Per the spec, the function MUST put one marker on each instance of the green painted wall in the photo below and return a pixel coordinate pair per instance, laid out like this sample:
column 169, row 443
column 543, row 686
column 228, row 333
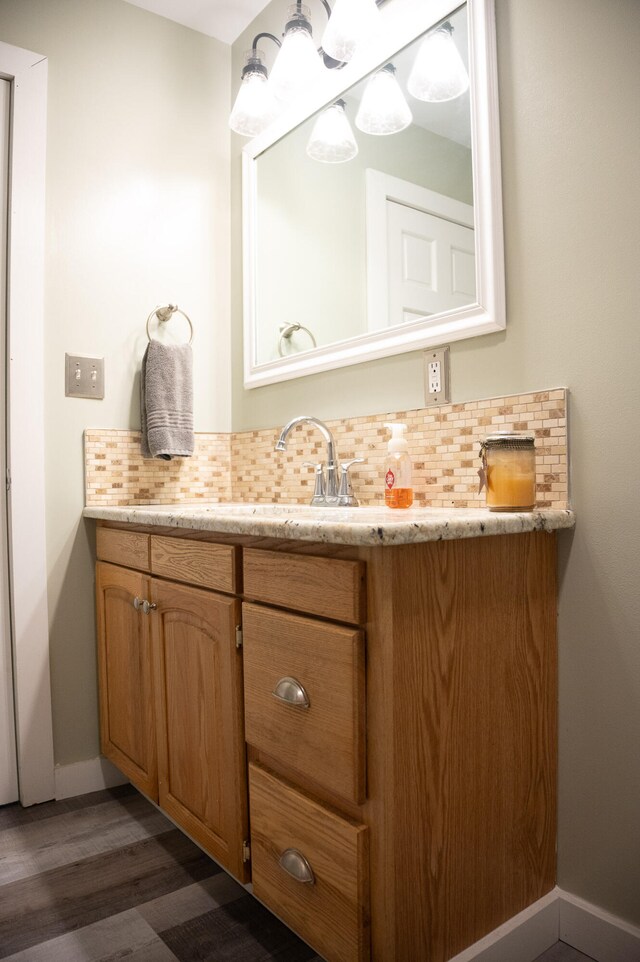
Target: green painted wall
column 569, row 77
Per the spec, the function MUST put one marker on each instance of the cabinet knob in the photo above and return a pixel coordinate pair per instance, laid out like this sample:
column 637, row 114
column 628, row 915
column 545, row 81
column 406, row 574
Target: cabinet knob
column 290, row 691
column 137, row 603
column 295, row 864
column 148, row 606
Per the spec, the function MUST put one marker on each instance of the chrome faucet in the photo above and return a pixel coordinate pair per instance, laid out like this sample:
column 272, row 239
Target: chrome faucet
column 329, row 490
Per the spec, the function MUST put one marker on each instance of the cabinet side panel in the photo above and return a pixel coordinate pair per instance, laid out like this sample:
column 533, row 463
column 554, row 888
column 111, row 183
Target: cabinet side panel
column 475, row 731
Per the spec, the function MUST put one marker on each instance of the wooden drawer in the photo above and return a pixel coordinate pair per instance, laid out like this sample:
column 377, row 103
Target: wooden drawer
column 328, row 587
column 332, row 912
column 195, row 562
column 128, row 548
column 326, row 740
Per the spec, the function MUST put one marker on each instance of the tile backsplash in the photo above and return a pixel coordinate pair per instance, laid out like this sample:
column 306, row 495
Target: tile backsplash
column 117, row 474
column 443, row 441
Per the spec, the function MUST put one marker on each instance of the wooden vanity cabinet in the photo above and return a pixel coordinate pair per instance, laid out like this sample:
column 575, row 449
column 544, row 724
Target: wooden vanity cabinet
column 170, row 684
column 418, row 787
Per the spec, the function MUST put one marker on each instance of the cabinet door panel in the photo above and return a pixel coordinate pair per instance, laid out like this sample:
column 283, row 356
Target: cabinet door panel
column 127, row 718
column 201, row 753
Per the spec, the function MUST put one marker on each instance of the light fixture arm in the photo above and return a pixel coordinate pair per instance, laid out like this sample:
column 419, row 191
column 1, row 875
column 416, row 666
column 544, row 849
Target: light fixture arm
column 258, row 36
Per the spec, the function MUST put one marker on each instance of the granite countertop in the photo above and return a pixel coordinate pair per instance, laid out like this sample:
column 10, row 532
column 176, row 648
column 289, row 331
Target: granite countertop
column 352, row 526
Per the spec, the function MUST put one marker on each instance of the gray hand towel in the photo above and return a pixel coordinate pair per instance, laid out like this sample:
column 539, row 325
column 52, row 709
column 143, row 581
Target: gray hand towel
column 166, row 403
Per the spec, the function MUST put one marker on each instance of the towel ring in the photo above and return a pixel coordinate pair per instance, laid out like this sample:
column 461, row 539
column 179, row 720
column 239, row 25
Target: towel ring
column 165, row 314
column 286, row 330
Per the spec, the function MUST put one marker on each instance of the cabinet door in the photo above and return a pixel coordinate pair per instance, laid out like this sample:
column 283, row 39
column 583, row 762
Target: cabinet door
column 201, row 751
column 127, row 717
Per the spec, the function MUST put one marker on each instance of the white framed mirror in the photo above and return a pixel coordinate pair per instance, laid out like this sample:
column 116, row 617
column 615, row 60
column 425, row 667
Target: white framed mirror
column 399, row 248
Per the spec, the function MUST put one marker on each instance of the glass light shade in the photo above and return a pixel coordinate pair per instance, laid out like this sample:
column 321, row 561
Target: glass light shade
column 297, row 65
column 351, row 23
column 332, row 140
column 383, row 108
column 255, row 105
column 438, row 73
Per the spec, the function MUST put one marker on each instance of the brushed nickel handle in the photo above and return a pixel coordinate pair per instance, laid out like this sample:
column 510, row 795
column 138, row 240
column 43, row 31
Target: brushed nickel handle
column 295, row 864
column 148, row 606
column 290, row 691
column 137, row 603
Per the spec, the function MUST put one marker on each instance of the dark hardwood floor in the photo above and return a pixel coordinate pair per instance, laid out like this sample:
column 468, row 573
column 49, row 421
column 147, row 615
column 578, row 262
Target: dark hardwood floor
column 104, row 877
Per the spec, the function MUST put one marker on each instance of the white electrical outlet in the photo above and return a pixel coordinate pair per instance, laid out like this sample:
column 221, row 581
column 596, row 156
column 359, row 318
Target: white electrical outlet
column 437, row 375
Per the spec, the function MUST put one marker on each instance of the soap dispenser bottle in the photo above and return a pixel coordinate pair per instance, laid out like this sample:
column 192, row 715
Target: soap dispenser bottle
column 398, row 490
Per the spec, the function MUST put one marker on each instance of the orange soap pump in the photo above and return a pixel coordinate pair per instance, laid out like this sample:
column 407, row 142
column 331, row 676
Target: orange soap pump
column 398, row 492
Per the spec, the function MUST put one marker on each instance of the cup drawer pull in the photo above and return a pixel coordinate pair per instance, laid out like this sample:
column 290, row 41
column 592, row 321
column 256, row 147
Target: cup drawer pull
column 296, row 865
column 291, row 691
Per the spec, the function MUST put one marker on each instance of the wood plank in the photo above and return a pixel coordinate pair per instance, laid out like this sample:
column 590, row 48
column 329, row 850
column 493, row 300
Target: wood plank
column 325, row 741
column 174, row 909
column 241, row 932
column 123, row 936
column 27, row 850
column 329, row 587
column 40, row 908
column 332, row 914
column 195, row 562
column 122, row 547
column 12, row 816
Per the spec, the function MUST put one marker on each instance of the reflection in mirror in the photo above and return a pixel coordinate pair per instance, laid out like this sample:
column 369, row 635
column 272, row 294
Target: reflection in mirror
column 323, row 243
column 380, row 253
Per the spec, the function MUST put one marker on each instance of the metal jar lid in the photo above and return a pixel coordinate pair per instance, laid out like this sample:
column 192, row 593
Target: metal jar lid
column 510, row 440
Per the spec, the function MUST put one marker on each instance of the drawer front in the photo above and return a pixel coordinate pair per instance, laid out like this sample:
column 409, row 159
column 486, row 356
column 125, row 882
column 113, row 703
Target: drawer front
column 330, row 910
column 195, row 562
column 128, row 548
column 328, row 587
column 300, row 658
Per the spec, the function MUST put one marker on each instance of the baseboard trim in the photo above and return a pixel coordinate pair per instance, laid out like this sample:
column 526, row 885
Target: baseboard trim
column 80, row 778
column 522, row 938
column 595, row 932
column 557, row 916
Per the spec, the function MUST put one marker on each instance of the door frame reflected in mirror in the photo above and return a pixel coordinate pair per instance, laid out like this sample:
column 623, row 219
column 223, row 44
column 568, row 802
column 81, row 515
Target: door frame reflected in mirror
column 404, row 21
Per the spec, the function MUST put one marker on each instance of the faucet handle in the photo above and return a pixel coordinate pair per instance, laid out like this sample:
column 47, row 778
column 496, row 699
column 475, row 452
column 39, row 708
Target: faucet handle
column 346, row 497
column 318, row 493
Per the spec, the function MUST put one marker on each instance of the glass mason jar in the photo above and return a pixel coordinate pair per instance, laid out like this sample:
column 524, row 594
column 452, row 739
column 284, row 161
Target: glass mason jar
column 509, row 471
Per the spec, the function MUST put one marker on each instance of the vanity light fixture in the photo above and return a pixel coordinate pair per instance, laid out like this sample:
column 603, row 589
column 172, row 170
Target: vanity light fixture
column 383, row 108
column 255, row 106
column 438, row 73
column 332, row 140
column 352, row 22
column 297, row 66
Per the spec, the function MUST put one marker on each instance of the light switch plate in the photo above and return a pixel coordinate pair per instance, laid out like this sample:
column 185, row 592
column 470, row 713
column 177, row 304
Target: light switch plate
column 84, row 376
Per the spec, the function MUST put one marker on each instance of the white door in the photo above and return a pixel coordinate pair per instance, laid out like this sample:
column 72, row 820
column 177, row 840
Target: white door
column 431, row 264
column 8, row 766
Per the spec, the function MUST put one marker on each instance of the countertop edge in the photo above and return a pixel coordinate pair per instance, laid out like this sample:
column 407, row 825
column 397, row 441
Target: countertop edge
column 423, row 524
